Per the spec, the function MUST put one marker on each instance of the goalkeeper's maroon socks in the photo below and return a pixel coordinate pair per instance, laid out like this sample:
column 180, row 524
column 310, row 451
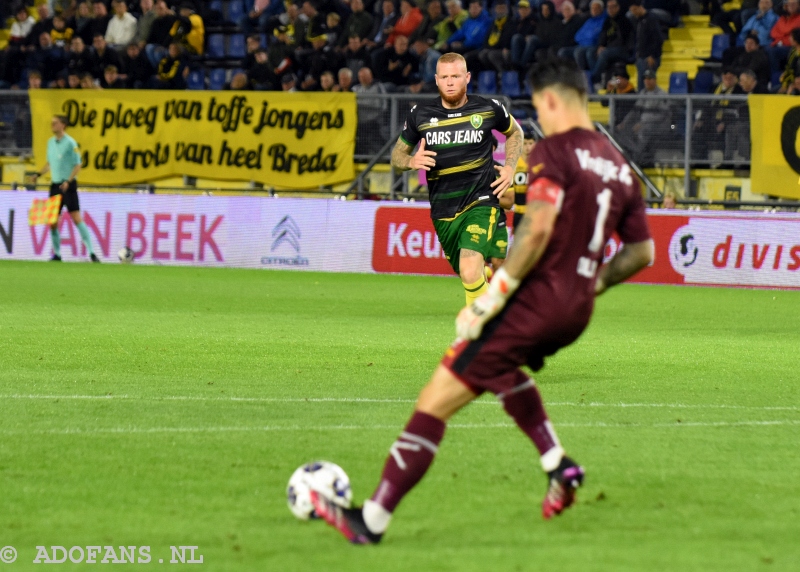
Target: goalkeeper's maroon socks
column 524, row 404
column 409, row 459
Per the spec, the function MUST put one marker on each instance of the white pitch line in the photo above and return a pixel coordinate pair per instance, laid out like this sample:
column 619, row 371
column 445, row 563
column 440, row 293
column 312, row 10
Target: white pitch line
column 275, row 428
column 378, row 400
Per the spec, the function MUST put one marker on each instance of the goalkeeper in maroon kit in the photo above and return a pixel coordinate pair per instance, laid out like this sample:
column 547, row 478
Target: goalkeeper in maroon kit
column 580, row 191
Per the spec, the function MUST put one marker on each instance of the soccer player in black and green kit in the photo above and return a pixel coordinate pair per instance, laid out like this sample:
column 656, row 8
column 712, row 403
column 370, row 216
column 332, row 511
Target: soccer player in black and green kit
column 455, row 148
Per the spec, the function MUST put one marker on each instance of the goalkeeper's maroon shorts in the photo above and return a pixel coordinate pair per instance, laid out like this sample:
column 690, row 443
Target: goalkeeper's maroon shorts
column 524, row 333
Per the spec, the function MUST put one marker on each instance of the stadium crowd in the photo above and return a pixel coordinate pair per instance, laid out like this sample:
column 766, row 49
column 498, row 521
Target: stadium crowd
column 372, row 46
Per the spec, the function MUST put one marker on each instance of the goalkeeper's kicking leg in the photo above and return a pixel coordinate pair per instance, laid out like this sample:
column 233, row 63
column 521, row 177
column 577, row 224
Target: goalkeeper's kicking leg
column 413, row 452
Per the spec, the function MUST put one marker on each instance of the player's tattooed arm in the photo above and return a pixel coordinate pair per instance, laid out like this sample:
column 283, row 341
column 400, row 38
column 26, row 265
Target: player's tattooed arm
column 505, row 174
column 401, row 155
column 403, row 159
column 627, row 262
column 531, row 238
column 514, row 146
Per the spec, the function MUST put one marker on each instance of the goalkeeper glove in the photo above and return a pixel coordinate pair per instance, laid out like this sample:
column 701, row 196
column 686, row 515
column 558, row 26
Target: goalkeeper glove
column 470, row 320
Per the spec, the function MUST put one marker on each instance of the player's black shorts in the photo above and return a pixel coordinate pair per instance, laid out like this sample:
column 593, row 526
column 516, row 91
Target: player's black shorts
column 524, row 333
column 70, row 198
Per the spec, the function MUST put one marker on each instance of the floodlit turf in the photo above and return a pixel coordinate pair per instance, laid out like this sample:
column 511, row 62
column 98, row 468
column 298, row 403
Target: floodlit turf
column 155, row 406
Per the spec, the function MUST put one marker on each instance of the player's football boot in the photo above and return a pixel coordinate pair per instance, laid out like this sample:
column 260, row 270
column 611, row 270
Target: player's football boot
column 348, row 521
column 94, row 258
column 563, row 482
column 55, row 258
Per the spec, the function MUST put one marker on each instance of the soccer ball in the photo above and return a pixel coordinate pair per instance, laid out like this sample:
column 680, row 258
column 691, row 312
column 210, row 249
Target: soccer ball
column 327, row 479
column 125, row 255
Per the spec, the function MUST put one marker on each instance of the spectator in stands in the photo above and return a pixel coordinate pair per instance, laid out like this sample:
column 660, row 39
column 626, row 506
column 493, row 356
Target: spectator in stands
column 258, row 14
column 647, row 123
column 172, row 69
column 712, row 118
column 732, row 21
column 145, row 22
column 649, row 40
column 427, row 29
column 326, row 81
column 668, row 12
column 122, row 26
column 382, row 29
column 588, row 35
column 251, row 44
column 496, row 52
column 752, row 57
column 669, row 200
column 356, row 55
column 160, row 37
column 333, row 28
column 22, row 26
column 473, row 32
column 410, row 19
column 456, row 15
column 359, row 23
column 15, row 54
column 88, row 82
column 620, row 83
column 370, row 110
column 48, row 59
column 322, row 58
column 748, row 80
column 65, row 8
column 261, row 74
column 102, row 56
column 615, row 43
column 73, row 80
column 136, row 66
column 315, row 24
column 548, row 29
column 111, row 79
column 523, row 40
column 239, row 82
column 781, row 34
column 294, row 22
column 281, row 53
column 426, row 77
column 82, row 21
column 794, row 88
column 345, row 80
column 737, row 135
column 288, row 82
column 571, row 22
column 792, row 68
column 395, row 65
column 61, row 34
column 99, row 23
column 80, row 59
column 44, row 24
column 34, row 80
column 189, row 30
column 761, row 22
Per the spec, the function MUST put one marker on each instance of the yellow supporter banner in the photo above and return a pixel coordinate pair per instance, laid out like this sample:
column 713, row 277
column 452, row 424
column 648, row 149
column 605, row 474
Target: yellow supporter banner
column 775, row 137
column 289, row 140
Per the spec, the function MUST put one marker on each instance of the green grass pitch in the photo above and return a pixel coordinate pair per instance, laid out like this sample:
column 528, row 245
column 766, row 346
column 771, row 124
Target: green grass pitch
column 156, row 406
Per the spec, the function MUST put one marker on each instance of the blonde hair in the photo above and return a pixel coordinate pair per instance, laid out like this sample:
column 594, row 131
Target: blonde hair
column 451, row 58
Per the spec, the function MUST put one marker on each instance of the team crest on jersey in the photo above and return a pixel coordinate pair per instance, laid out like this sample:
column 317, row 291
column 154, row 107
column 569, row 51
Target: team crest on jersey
column 434, row 121
column 476, row 121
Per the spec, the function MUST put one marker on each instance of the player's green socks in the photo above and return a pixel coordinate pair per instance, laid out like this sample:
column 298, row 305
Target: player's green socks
column 84, row 230
column 474, row 290
column 56, row 238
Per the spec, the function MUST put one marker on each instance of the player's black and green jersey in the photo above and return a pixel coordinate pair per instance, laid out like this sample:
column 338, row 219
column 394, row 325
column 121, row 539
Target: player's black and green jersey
column 462, row 141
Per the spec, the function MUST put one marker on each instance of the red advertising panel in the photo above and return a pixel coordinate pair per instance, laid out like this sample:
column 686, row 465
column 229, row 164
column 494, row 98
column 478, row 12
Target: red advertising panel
column 702, row 248
column 406, row 243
